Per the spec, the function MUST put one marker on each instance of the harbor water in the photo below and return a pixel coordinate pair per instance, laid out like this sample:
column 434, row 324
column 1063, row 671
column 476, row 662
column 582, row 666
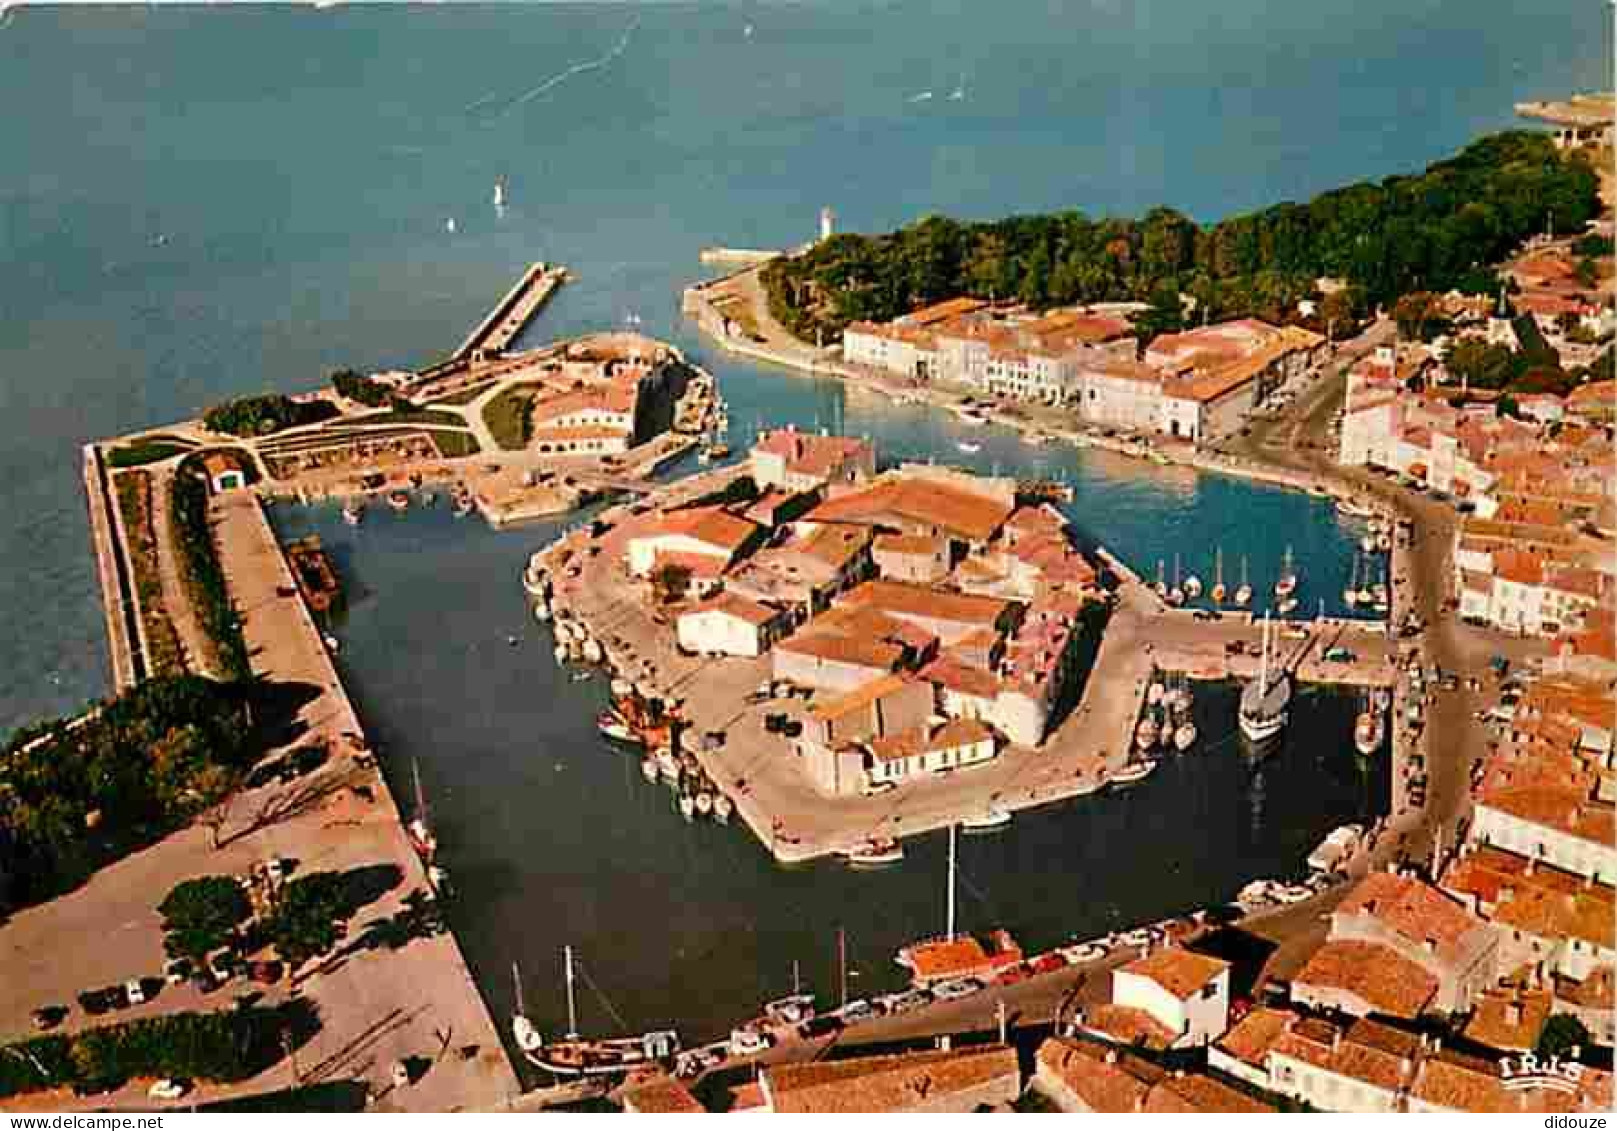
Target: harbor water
column 208, row 201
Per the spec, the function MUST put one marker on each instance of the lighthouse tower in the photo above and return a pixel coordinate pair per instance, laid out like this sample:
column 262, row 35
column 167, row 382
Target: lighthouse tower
column 828, row 220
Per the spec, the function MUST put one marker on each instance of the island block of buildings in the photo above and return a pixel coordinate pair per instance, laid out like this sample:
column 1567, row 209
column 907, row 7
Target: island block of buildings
column 930, row 613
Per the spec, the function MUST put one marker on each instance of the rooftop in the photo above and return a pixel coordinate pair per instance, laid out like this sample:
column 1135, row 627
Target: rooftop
column 885, row 1083
column 1181, row 972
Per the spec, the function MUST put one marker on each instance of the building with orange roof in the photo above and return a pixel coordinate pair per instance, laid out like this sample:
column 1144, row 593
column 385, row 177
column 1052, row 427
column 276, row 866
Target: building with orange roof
column 802, row 461
column 948, row 615
column 1365, row 1067
column 659, row 1095
column 930, row 1082
column 1424, row 927
column 846, row 648
column 1079, row 1076
column 224, row 472
column 915, row 558
column 728, row 624
column 1243, row 1051
column 705, row 532
column 1188, row 993
column 1451, row 1081
column 1509, row 1018
column 960, row 956
column 1592, row 1000
column 924, row 501
column 838, row 729
column 1557, row 822
column 1361, row 978
column 929, row 748
column 1193, row 1093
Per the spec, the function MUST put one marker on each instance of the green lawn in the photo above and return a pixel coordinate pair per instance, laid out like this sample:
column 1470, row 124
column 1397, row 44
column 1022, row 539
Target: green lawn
column 466, row 396
column 408, row 416
column 508, row 419
column 142, row 452
column 454, row 445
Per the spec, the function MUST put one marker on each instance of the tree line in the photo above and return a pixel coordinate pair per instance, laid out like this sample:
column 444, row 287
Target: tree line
column 1436, row 230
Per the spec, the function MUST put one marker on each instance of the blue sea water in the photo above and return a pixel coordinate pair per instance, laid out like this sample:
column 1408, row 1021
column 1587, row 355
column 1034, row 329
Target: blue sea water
column 198, row 202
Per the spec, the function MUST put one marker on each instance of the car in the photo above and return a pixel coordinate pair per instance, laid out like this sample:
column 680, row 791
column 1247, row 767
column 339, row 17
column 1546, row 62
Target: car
column 168, row 1089
column 957, row 988
column 177, row 971
column 266, row 973
column 134, row 993
column 1450, row 683
column 746, row 1042
column 1047, row 963
column 95, row 1002
column 1207, row 614
column 1340, row 655
column 1084, row 952
column 876, row 789
column 906, row 1001
column 1013, row 974
column 816, row 1027
column 1140, row 936
column 856, row 1011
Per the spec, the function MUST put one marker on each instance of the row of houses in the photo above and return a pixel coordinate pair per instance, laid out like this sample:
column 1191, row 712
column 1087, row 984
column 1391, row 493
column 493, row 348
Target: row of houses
column 598, row 395
column 1199, row 385
column 931, row 613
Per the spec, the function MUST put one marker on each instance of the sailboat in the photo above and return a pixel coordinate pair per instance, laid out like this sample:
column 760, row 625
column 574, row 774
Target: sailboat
column 612, row 1056
column 1193, row 587
column 1351, row 593
column 419, row 829
column 1176, row 595
column 1160, row 586
column 1243, row 592
column 1265, row 702
column 499, row 194
column 522, row 1030
column 939, row 960
column 1287, row 584
column 1218, row 592
column 1370, row 727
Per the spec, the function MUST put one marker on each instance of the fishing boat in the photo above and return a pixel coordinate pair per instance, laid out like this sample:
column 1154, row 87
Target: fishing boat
column 419, row 828
column 994, row 818
column 648, row 768
column 968, row 447
column 1178, row 698
column 1145, row 735
column 1266, row 701
column 1243, row 591
column 1193, row 587
column 687, row 806
column 723, row 807
column 1368, row 543
column 593, row 652
column 613, row 726
column 463, row 505
column 1351, row 594
column 1160, row 586
column 499, row 193
column 1384, row 543
column 398, row 500
column 875, row 852
column 1286, row 606
column 1369, row 729
column 560, row 652
column 715, row 450
column 1132, row 772
column 1176, row 594
column 1287, row 584
column 1184, row 736
column 353, row 512
column 1353, row 510
column 667, row 764
column 1155, row 692
column 613, row 1056
column 580, row 677
column 535, row 584
column 1218, row 592
column 541, row 611
column 704, row 804
column 522, row 1030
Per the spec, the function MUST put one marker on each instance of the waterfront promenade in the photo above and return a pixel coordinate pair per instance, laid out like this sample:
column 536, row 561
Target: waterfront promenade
column 112, row 572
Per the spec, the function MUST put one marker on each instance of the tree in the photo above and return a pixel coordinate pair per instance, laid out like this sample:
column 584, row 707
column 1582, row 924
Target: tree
column 1419, row 315
column 1563, row 1034
column 1164, row 316
column 308, row 920
column 201, row 915
column 1475, row 362
column 365, row 390
column 669, row 582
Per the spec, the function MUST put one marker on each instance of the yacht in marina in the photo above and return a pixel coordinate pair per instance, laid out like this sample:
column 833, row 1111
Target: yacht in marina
column 1266, row 701
column 575, row 1057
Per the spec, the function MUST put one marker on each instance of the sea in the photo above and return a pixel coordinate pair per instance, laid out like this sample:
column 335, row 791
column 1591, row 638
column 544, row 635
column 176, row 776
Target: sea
column 205, row 201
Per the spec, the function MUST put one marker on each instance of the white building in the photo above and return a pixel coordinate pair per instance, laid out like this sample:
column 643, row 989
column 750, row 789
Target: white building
column 927, row 749
column 1187, row 993
column 730, row 625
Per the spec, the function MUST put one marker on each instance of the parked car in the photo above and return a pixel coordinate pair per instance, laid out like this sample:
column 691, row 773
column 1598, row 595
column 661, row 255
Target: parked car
column 957, row 988
column 168, row 1089
column 266, row 973
column 1047, row 963
column 906, row 1001
column 134, row 994
column 816, row 1027
column 49, row 1016
column 1340, row 655
column 856, row 1011
column 745, row 1042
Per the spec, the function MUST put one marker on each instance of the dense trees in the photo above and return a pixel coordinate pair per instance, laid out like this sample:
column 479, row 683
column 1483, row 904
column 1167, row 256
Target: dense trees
column 1562, row 1034
column 74, row 795
column 259, row 416
column 200, row 569
column 202, row 915
column 1436, row 230
column 229, row 1045
column 309, row 917
column 357, row 387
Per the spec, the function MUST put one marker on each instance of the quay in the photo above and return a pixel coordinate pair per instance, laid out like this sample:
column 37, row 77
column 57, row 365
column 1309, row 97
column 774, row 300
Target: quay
column 494, row 335
column 758, row 771
column 112, row 571
column 746, row 256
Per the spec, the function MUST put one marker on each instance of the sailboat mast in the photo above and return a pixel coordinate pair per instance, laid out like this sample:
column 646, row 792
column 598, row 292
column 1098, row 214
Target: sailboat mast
column 516, row 984
column 950, row 935
column 1263, row 664
column 420, row 798
column 842, row 964
column 797, row 978
column 572, row 1004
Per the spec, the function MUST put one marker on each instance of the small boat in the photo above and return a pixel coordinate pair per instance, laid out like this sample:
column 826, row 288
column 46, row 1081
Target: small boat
column 704, row 804
column 1154, row 693
column 648, row 768
column 580, row 677
column 399, row 501
column 667, row 764
column 1178, row 697
column 1160, row 586
column 560, row 652
column 875, row 852
column 535, row 584
column 1368, row 543
column 1176, row 594
column 1353, row 510
column 687, row 806
column 1184, row 736
column 1145, row 735
column 1193, row 587
column 523, row 1031
column 428, row 498
column 593, row 652
column 969, row 448
column 541, row 612
column 1350, row 595
column 419, row 827
column 613, row 1056
column 1132, row 772
column 331, row 642
column 353, row 513
column 1255, row 893
column 499, row 193
column 995, row 818
column 723, row 807
column 1384, row 543
column 1286, row 605
column 1287, row 584
column 1218, row 592
column 1243, row 592
column 463, row 505
column 613, row 726
column 1368, row 731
